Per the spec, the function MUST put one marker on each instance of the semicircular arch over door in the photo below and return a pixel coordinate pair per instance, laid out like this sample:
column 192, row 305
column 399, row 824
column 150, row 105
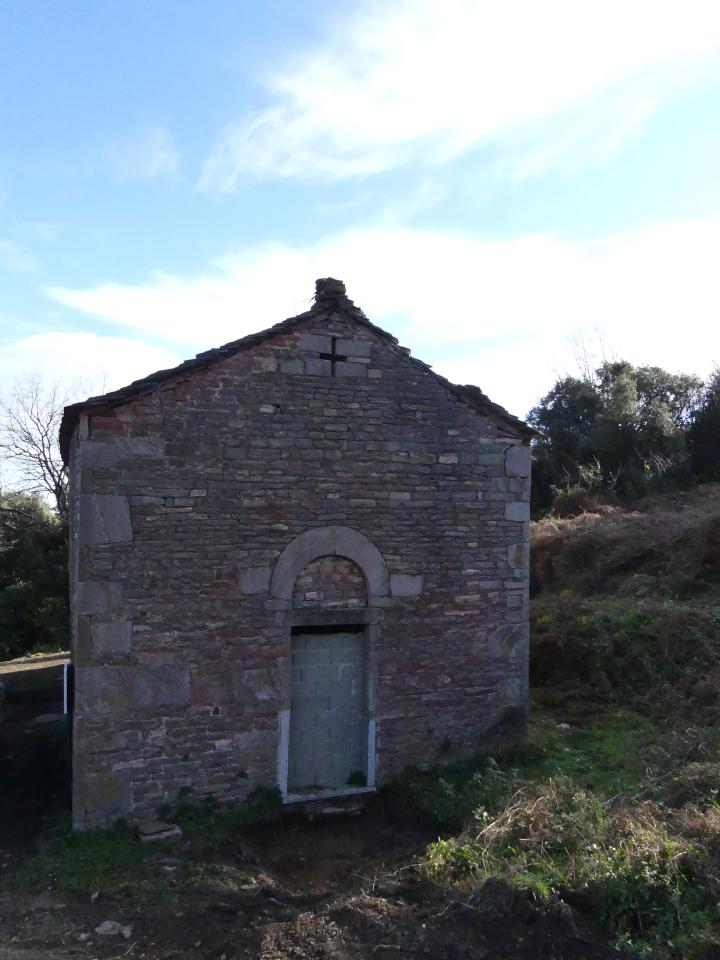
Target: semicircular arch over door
column 329, row 579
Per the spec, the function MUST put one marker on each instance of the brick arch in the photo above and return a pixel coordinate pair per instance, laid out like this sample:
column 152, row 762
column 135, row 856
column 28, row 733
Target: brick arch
column 330, row 581
column 330, row 541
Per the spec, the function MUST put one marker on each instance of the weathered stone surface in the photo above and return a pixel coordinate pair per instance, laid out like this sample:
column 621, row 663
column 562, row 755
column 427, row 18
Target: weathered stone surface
column 96, row 597
column 104, row 519
column 519, row 555
column 517, row 510
column 517, row 461
column 354, row 348
column 122, row 691
column 100, row 796
column 406, row 585
column 98, row 454
column 347, row 368
column 255, row 580
column 511, row 638
column 318, row 368
column 149, row 831
column 111, row 637
column 315, row 342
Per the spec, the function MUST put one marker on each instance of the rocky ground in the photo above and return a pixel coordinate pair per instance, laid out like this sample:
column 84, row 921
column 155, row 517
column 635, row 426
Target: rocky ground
column 345, row 888
column 342, row 887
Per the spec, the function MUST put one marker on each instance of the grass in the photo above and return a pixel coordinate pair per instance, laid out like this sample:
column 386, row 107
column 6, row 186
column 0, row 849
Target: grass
column 116, row 862
column 613, row 804
column 583, row 811
column 83, row 863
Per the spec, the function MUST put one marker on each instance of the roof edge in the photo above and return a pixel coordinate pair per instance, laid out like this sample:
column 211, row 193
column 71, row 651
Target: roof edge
column 330, row 298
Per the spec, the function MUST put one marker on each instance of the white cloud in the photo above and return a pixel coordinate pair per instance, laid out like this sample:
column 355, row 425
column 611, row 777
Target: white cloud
column 495, row 313
column 151, row 156
column 425, row 82
column 83, row 362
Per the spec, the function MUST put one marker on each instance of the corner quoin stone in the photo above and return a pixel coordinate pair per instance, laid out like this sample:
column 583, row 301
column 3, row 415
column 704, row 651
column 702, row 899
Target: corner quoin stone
column 96, row 597
column 517, row 461
column 119, row 691
column 517, row 510
column 111, row 638
column 104, row 519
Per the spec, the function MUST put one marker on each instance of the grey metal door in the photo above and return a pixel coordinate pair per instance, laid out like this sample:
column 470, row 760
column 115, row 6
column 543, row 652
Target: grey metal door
column 328, row 718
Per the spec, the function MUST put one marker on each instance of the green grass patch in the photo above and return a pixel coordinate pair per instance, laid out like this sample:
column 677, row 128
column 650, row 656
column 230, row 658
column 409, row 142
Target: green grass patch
column 107, row 860
column 586, row 808
column 210, row 825
column 639, row 870
column 116, row 862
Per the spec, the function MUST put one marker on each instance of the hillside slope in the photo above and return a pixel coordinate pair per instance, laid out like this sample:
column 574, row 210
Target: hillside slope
column 626, row 605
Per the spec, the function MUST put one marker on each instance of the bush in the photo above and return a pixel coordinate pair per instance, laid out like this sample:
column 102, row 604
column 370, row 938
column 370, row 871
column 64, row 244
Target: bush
column 556, row 839
column 33, row 577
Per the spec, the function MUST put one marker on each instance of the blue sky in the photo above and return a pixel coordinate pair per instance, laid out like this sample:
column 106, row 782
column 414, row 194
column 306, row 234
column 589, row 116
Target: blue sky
column 494, row 182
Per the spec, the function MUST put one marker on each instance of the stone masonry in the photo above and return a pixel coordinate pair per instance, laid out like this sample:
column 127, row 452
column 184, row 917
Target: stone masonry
column 313, row 480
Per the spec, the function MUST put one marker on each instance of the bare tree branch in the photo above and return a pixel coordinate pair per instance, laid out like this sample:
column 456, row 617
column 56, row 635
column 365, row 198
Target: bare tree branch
column 29, row 424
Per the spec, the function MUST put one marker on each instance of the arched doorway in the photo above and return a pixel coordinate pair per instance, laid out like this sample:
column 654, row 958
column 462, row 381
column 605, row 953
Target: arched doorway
column 327, row 747
column 330, row 582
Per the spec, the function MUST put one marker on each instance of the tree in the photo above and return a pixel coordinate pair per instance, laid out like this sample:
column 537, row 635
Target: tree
column 29, row 425
column 623, row 428
column 705, row 432
column 33, row 576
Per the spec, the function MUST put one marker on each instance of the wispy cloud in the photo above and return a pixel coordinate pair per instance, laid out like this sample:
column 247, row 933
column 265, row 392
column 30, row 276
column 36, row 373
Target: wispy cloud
column 15, row 257
column 496, row 313
column 89, row 362
column 152, row 155
column 424, row 82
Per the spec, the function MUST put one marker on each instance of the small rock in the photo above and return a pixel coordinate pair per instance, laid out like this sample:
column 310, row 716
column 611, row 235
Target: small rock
column 109, row 928
column 83, row 937
column 50, row 718
column 94, row 896
column 148, row 830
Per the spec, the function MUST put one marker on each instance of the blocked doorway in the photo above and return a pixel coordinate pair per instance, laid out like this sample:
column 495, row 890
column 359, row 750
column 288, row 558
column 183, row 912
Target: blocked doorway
column 328, row 735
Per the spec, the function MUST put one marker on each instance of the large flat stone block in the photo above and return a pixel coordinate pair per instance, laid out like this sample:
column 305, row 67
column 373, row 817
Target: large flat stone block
column 354, row 348
column 316, row 342
column 96, row 597
column 510, row 639
column 104, row 519
column 127, row 690
column 406, row 585
column 97, row 455
column 100, row 796
column 255, row 580
column 517, row 462
column 349, row 369
column 517, row 510
column 519, row 555
column 111, row 638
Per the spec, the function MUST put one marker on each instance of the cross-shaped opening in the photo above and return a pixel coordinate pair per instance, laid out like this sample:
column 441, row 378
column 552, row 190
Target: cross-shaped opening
column 333, row 356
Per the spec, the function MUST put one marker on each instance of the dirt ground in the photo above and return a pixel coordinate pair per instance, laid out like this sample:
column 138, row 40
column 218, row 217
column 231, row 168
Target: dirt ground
column 340, row 888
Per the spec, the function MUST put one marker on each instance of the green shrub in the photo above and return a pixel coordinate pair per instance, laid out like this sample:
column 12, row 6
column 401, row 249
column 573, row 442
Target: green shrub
column 553, row 837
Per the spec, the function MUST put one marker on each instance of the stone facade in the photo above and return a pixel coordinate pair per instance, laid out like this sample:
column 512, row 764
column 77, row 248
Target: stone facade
column 309, row 479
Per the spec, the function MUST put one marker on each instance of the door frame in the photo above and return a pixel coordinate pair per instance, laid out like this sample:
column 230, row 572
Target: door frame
column 369, row 619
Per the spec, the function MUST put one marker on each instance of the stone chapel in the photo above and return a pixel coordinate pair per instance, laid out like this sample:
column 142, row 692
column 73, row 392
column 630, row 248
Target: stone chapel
column 299, row 560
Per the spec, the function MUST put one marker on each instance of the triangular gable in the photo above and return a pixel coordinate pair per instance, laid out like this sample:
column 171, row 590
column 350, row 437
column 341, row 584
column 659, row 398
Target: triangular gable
column 330, row 298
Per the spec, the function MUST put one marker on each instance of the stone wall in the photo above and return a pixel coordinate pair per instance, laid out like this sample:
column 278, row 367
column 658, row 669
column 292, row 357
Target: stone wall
column 184, row 500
